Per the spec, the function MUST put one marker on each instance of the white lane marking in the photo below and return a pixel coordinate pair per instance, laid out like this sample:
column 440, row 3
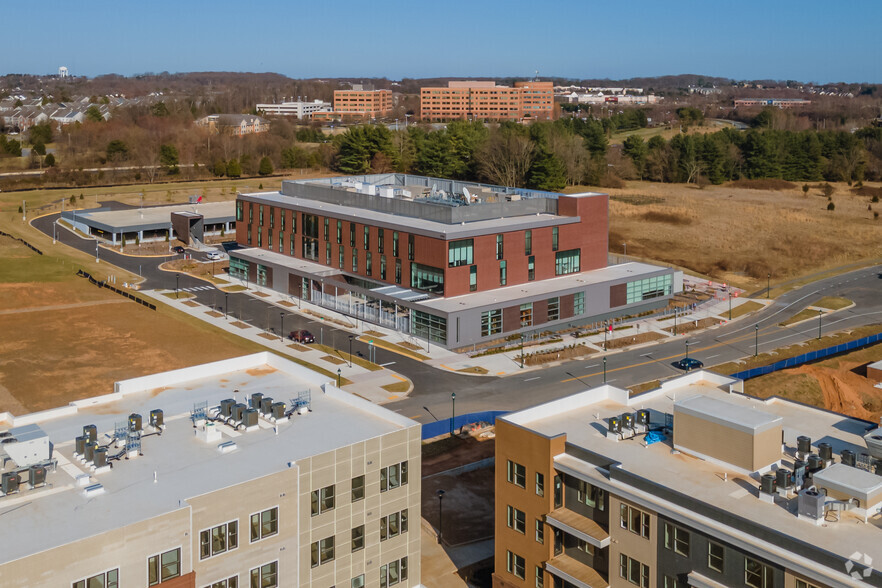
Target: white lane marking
column 386, row 364
column 531, row 379
column 712, row 356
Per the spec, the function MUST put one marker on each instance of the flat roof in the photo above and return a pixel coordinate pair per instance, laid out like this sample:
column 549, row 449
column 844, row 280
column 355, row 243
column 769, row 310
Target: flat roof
column 154, row 217
column 852, row 481
column 583, row 418
column 747, row 419
column 59, row 513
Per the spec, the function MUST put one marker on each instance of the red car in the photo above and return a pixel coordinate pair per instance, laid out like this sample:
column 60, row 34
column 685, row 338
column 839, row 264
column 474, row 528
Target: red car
column 302, row 336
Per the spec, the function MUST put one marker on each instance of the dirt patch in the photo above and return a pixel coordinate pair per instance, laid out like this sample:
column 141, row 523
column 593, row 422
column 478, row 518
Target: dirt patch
column 452, row 452
column 467, row 503
column 397, row 387
column 375, row 333
column 474, row 370
column 286, row 303
column 689, row 326
column 261, row 371
column 564, row 353
column 214, row 314
column 261, row 294
column 297, row 347
column 411, row 346
column 763, row 184
column 269, row 337
column 332, row 359
column 191, row 303
column 241, row 325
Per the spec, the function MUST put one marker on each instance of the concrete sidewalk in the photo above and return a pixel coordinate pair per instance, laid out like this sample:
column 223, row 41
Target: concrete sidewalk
column 439, row 564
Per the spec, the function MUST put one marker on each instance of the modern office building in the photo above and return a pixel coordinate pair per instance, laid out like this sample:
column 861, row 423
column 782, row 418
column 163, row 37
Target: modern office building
column 362, row 103
column 692, row 484
column 486, row 101
column 252, row 471
column 457, row 263
column 301, row 109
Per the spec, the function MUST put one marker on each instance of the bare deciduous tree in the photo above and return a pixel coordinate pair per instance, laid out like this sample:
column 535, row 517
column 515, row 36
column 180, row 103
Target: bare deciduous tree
column 505, row 158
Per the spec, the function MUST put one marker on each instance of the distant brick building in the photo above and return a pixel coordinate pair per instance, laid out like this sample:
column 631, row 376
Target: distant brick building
column 362, row 103
column 234, row 124
column 487, row 101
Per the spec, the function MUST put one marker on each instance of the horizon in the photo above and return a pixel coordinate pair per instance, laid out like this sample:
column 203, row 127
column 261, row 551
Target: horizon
column 810, row 41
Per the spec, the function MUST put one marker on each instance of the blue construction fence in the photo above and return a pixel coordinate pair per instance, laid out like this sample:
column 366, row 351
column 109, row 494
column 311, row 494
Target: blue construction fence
column 807, row 357
column 442, row 427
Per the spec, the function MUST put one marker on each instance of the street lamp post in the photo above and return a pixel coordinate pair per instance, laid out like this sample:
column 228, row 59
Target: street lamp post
column 440, row 495
column 756, row 340
column 820, row 314
column 604, row 370
column 675, row 321
column 282, row 326
column 226, row 304
column 768, row 284
column 625, row 247
column 605, row 331
column 452, row 411
column 350, row 350
column 96, row 251
column 687, row 348
column 522, row 351
column 177, row 284
column 338, row 377
column 730, row 304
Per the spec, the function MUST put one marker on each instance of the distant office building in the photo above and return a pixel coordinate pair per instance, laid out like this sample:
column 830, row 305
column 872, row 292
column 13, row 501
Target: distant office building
column 299, row 109
column 247, row 472
column 453, row 262
column 693, row 484
column 486, row 101
column 362, row 103
column 779, row 102
column 237, row 125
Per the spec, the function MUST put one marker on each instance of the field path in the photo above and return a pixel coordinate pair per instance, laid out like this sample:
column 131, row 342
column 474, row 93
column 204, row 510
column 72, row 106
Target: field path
column 62, row 306
column 841, row 389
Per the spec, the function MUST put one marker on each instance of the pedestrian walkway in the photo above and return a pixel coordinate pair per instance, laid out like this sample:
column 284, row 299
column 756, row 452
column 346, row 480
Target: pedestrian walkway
column 439, row 565
column 365, row 383
column 197, row 288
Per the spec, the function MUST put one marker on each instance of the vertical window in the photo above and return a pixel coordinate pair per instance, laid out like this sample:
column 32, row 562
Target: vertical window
column 527, row 314
column 515, row 564
column 281, row 242
column 368, row 263
column 352, row 234
column 394, row 243
column 757, row 575
column 272, row 217
column 503, row 273
column 264, row 524
column 266, row 576
column 259, row 238
column 397, row 271
column 540, row 577
column 410, row 240
column 554, row 238
column 339, row 232
column 250, row 213
column 382, row 267
column 340, row 257
column 291, row 244
column 282, row 213
column 260, row 217
column 578, row 303
column 517, row 520
column 473, row 278
column 531, row 268
column 381, row 234
column 540, row 484
column 358, row 538
column 269, row 239
column 716, row 557
column 528, row 242
column 540, row 531
column 239, row 210
column 322, row 551
column 676, row 539
column 558, row 492
column 322, row 500
column 164, row 566
column 357, row 488
column 249, row 234
column 517, row 474
column 558, row 537
column 354, row 260
column 327, row 228
column 367, row 238
column 553, row 309
column 499, row 247
column 634, row 520
column 328, row 253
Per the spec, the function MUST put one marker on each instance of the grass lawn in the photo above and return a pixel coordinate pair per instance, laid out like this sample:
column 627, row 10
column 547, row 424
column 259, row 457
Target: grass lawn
column 178, row 295
column 397, row 387
column 745, row 308
column 802, row 315
column 474, row 370
column 833, row 302
column 344, row 357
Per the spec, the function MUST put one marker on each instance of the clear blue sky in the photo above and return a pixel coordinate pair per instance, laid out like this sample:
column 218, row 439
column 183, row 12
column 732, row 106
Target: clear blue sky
column 812, row 40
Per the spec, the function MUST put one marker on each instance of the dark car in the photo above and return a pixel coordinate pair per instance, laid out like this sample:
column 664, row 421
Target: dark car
column 302, row 336
column 688, row 363
column 178, row 249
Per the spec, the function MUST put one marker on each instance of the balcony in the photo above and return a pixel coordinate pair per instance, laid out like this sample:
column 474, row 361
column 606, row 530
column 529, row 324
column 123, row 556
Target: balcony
column 575, row 572
column 578, row 526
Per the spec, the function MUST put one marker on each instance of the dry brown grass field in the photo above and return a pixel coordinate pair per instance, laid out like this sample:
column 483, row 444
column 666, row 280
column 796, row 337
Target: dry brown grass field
column 740, row 235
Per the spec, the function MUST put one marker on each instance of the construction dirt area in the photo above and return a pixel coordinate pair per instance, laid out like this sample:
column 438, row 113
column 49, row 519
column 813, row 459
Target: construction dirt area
column 66, row 339
column 839, row 384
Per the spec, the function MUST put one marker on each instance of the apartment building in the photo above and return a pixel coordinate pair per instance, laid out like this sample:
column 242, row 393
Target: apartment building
column 482, row 100
column 453, row 262
column 692, row 484
column 363, row 103
column 252, row 471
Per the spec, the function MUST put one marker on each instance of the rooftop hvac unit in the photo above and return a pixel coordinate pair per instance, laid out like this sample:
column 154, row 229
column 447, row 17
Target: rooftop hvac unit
column 226, row 407
column 100, row 457
column 768, row 483
column 36, row 476
column 238, row 410
column 783, row 478
column 847, row 457
column 250, row 418
column 157, row 418
column 266, row 404
column 798, row 473
column 255, row 400
column 615, row 424
column 278, row 410
column 642, row 417
column 815, row 463
column 825, row 451
column 80, row 444
column 9, row 482
column 89, row 455
column 811, row 504
column 627, row 421
column 91, row 431
column 803, row 446
column 134, row 422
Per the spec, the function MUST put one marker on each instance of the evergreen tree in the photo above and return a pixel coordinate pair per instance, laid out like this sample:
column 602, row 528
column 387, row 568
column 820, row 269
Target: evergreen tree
column 266, row 166
column 547, row 172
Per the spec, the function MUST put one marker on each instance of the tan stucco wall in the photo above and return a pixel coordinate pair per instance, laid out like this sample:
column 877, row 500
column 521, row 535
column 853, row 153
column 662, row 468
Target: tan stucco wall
column 631, row 544
column 742, row 450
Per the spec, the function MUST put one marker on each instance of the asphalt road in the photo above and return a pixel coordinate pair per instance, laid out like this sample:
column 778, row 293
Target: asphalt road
column 433, row 387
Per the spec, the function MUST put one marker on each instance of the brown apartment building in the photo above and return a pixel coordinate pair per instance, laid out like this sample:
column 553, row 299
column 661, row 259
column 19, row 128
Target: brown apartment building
column 692, row 484
column 362, row 103
column 482, row 100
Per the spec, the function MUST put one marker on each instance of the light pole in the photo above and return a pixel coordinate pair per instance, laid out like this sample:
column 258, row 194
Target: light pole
column 756, row 340
column 226, row 304
column 604, row 370
column 338, row 377
column 675, row 321
column 730, row 303
column 522, row 351
column 768, row 284
column 96, row 251
column 177, row 284
column 820, row 314
column 687, row 348
column 625, row 247
column 350, row 350
column 440, row 495
column 282, row 326
column 267, row 329
column 452, row 411
column 605, row 332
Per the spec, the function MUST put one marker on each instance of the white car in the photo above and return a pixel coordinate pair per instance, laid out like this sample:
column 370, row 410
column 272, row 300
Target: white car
column 214, row 256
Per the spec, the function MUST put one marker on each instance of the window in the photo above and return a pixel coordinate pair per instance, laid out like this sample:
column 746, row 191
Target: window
column 499, row 247
column 515, row 564
column 633, row 571
column 264, row 524
column 567, row 262
column 393, row 525
column 491, row 322
column 250, row 213
column 269, row 239
column 357, row 488
column 260, row 217
column 634, row 520
column 352, row 234
column 358, row 538
column 676, row 539
column 517, row 520
column 239, row 210
column 231, row 582
column 249, row 234
column 670, row 582
column 357, row 582
column 578, row 303
column 540, row 577
column 164, row 566
column 503, row 273
column 531, row 268
column 591, row 495
column 649, row 288
column 272, row 217
column 394, row 572
column 327, row 228
column 540, row 531
column 410, row 245
column 558, row 492
column 382, row 267
column 282, row 213
column 528, row 242
column 339, row 232
column 259, row 238
column 340, row 256
column 328, row 253
column 424, row 277
column 757, row 575
column 540, row 484
column 460, row 252
column 310, row 237
column 527, row 314
column 473, row 278
column 354, row 261
column 322, row 500
column 804, row 584
column 558, row 541
column 394, row 243
column 553, row 309
column 367, row 238
column 291, row 243
column 109, row 579
column 555, row 234
column 397, row 271
column 517, row 474
column 218, row 539
column 266, row 576
column 393, row 476
column 716, row 557
column 381, row 235
column 322, row 551
column 281, row 242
